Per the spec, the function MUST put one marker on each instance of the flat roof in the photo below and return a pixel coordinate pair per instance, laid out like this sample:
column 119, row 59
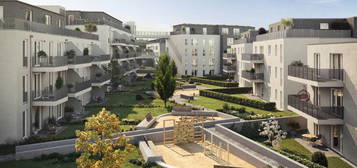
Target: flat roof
column 182, row 24
column 331, row 43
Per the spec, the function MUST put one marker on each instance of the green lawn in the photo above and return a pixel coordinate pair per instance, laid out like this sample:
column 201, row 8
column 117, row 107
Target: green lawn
column 337, row 162
column 217, row 104
column 210, row 86
column 246, row 97
column 52, row 162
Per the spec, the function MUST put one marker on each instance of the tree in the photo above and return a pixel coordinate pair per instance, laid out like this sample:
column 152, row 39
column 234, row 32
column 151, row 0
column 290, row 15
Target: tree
column 59, row 82
column 319, row 158
column 262, row 31
column 114, row 70
column 90, row 28
column 97, row 144
column 165, row 81
column 271, row 129
column 288, row 22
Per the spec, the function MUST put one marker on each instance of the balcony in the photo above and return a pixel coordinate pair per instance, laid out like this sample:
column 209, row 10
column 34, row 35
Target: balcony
column 19, row 24
column 319, row 114
column 50, row 64
column 229, row 56
column 99, row 81
column 229, row 68
column 80, row 61
column 295, row 33
column 79, row 88
column 101, row 59
column 253, row 58
column 316, row 77
column 51, row 97
column 253, row 77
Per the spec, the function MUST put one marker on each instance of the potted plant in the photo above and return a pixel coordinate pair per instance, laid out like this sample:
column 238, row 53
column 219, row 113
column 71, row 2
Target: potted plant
column 252, row 70
column 297, row 63
column 59, row 82
column 86, row 51
column 42, row 54
column 90, row 28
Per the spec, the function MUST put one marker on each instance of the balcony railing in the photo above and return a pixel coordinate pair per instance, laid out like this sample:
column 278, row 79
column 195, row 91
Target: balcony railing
column 52, row 94
column 99, row 22
column 230, row 68
column 19, row 24
column 101, row 58
column 24, row 98
column 25, row 61
column 314, row 74
column 229, row 56
column 315, row 111
column 252, row 57
column 101, row 79
column 79, row 86
column 56, row 61
column 304, row 33
column 80, row 60
column 252, row 75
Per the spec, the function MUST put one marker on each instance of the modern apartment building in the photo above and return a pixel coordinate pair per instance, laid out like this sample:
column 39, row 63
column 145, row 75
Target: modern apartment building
column 157, row 46
column 198, row 49
column 151, row 35
column 51, row 66
column 263, row 64
column 327, row 95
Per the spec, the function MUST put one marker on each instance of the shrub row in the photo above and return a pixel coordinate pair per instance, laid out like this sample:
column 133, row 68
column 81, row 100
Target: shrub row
column 6, row 149
column 269, row 106
column 126, row 121
column 301, row 160
column 214, row 82
column 124, row 105
column 234, row 90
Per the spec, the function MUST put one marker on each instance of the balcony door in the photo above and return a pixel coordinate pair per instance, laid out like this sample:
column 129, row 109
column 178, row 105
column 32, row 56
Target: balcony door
column 336, row 98
column 317, row 63
column 336, row 66
column 336, row 138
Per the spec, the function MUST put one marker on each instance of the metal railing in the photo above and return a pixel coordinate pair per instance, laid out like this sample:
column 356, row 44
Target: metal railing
column 252, row 57
column 80, row 60
column 229, row 55
column 99, row 22
column 19, row 24
column 318, row 112
column 56, row 61
column 314, row 74
column 25, row 61
column 79, row 86
column 304, row 33
column 52, row 94
column 230, row 67
column 24, row 96
column 101, row 58
column 101, row 79
column 252, row 75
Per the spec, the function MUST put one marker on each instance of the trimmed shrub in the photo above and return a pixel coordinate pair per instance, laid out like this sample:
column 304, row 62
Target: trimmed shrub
column 214, row 82
column 301, row 160
column 6, row 149
column 139, row 97
column 235, row 90
column 319, row 158
column 269, row 106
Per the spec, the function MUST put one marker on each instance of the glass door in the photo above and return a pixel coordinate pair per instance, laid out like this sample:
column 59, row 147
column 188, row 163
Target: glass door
column 336, row 66
column 336, row 98
column 336, row 138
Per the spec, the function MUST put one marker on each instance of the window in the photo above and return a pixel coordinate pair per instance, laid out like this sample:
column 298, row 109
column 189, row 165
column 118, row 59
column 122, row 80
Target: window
column 186, row 42
column 269, row 71
column 225, row 31
column 230, row 41
column 23, row 123
column 194, row 62
column 185, row 72
column 191, row 41
column 47, row 19
column 28, row 15
column 276, row 94
column 211, row 62
column 261, row 48
column 187, row 29
column 278, row 27
column 60, row 23
column 24, row 94
column 281, row 53
column 24, row 53
column 281, row 99
column 236, row 31
column 194, row 42
column 276, row 50
column 276, row 72
column 281, row 76
column 204, row 42
column 203, row 52
column 204, row 30
column 70, row 19
column 324, row 26
column 211, row 43
column 256, row 49
column 269, row 50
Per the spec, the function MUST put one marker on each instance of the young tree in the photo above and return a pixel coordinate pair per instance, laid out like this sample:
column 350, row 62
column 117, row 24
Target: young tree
column 97, row 144
column 90, row 28
column 165, row 77
column 288, row 22
column 271, row 129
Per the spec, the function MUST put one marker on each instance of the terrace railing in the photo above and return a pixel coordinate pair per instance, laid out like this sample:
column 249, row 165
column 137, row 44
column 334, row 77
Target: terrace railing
column 314, row 74
column 252, row 57
column 52, row 94
column 80, row 60
column 318, row 112
column 252, row 75
column 50, row 61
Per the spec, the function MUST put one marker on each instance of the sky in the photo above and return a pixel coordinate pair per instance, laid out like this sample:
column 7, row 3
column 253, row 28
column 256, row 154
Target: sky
column 161, row 15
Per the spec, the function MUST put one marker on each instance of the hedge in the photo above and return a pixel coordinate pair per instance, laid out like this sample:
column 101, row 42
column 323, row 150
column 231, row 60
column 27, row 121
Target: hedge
column 235, row 90
column 301, row 160
column 269, row 106
column 214, row 82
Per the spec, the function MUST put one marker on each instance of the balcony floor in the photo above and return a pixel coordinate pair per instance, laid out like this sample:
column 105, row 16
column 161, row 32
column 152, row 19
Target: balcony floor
column 318, row 121
column 49, row 103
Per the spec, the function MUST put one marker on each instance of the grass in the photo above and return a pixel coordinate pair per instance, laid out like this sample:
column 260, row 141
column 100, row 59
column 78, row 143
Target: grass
column 337, row 162
column 295, row 147
column 218, row 104
column 210, row 86
column 52, row 162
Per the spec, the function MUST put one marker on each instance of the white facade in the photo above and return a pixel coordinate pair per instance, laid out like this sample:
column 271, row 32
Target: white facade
column 330, row 93
column 195, row 55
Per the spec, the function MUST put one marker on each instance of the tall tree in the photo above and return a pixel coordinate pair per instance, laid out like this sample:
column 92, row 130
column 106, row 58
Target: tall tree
column 97, row 144
column 165, row 77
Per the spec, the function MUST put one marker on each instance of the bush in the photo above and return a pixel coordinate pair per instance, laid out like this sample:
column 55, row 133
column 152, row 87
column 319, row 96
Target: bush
column 235, row 90
column 6, row 149
column 59, row 82
column 214, row 82
column 85, row 51
column 269, row 106
column 319, row 158
column 301, row 160
column 135, row 162
column 139, row 97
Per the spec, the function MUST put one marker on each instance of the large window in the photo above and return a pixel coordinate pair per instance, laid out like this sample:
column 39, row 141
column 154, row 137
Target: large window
column 236, row 31
column 70, row 19
column 48, row 20
column 230, row 41
column 28, row 15
column 225, row 31
column 269, row 50
column 204, row 30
